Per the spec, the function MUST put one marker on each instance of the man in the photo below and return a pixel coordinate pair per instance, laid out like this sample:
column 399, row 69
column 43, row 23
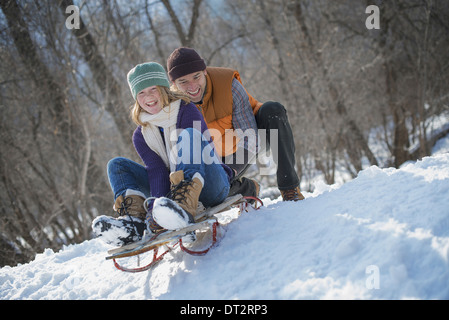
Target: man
column 228, row 108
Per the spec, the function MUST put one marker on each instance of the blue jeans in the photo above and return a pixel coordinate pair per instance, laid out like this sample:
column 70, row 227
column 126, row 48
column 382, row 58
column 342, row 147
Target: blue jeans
column 195, row 154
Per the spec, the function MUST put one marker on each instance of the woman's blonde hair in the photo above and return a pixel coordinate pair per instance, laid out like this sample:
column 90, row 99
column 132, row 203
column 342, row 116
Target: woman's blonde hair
column 167, row 97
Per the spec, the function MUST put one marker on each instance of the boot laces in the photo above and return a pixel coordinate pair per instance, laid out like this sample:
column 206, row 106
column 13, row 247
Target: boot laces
column 126, row 203
column 123, row 210
column 178, row 192
column 291, row 194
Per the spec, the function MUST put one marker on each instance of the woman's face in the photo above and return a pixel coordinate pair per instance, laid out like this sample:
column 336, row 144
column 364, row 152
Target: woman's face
column 149, row 100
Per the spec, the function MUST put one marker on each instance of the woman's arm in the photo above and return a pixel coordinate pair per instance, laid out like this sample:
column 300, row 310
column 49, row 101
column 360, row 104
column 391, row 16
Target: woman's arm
column 158, row 175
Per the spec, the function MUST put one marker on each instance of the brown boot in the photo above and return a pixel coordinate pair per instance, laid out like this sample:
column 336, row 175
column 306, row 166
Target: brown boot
column 130, row 204
column 292, row 194
column 186, row 193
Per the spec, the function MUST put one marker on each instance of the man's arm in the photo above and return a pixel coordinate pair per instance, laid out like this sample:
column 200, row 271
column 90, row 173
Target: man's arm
column 244, row 123
column 243, row 118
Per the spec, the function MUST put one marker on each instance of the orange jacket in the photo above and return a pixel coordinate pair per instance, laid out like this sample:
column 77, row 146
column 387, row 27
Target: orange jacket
column 217, row 108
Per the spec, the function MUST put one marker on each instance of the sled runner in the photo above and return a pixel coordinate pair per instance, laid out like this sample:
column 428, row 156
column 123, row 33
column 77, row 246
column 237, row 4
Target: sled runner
column 170, row 239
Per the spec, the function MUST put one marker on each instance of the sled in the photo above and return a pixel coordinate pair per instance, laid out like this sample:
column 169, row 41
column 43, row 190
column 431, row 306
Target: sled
column 170, row 239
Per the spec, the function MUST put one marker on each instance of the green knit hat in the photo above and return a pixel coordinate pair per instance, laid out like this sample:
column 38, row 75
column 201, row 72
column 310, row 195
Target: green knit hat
column 146, row 75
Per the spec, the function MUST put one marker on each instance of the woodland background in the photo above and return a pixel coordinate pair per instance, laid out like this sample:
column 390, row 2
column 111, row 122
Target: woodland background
column 355, row 97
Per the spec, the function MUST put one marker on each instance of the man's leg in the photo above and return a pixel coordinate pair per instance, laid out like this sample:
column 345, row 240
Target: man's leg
column 273, row 116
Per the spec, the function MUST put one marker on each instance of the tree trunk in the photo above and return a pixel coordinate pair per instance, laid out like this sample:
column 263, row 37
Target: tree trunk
column 103, row 77
column 354, row 136
column 186, row 39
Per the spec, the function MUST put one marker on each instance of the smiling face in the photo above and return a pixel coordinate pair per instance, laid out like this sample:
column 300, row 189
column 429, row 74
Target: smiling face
column 149, row 100
column 193, row 84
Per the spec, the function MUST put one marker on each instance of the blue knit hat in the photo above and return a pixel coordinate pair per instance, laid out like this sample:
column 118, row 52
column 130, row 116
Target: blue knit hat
column 146, row 75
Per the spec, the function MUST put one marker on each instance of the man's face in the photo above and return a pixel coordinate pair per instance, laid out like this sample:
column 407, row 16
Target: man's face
column 193, row 84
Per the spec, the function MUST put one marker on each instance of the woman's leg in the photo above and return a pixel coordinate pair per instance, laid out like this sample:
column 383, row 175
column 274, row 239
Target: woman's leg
column 195, row 154
column 126, row 174
column 129, row 180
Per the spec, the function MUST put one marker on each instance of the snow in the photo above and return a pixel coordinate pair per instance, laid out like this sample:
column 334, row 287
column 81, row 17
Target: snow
column 169, row 214
column 383, row 235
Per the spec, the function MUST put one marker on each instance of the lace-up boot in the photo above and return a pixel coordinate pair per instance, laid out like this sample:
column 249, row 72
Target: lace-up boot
column 186, row 193
column 292, row 194
column 130, row 205
column 128, row 227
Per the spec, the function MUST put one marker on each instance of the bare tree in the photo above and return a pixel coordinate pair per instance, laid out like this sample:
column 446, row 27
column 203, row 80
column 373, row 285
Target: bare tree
column 48, row 173
column 102, row 75
column 63, row 93
column 185, row 37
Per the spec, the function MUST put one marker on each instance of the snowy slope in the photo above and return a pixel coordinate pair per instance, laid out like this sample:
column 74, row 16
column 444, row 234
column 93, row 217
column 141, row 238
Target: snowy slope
column 384, row 235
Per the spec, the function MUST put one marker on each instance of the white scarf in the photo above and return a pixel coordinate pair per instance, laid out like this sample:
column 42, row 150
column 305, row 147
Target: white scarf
column 166, row 118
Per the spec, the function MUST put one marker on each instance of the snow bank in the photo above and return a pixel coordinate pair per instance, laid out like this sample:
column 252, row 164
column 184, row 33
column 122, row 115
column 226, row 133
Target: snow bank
column 384, row 235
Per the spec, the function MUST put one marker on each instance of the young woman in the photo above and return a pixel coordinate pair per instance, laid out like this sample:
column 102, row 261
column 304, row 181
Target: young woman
column 181, row 170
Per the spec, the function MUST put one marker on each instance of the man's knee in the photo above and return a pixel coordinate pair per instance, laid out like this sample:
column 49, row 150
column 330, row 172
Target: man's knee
column 271, row 109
